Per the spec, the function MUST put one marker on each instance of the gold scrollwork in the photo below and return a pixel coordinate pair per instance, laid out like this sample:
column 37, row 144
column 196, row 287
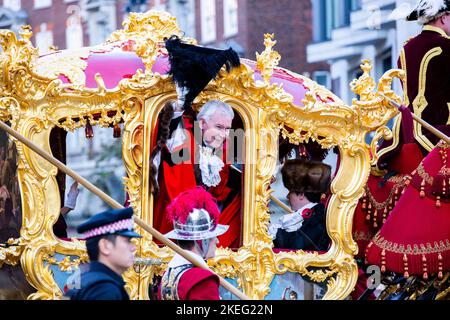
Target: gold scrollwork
column 34, row 104
column 268, row 59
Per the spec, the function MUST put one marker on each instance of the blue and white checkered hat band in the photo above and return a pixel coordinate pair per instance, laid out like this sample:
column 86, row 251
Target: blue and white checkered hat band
column 125, row 224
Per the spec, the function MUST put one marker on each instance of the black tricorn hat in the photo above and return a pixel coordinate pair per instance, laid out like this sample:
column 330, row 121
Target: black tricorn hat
column 427, row 10
column 193, row 67
column 302, row 176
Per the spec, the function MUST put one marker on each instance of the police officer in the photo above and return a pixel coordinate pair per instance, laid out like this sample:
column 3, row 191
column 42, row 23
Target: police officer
column 108, row 241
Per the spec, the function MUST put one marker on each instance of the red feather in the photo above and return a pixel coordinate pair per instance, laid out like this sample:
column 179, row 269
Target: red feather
column 197, row 198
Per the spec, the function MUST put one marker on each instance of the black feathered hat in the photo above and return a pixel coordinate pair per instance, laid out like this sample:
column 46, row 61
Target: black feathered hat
column 193, row 67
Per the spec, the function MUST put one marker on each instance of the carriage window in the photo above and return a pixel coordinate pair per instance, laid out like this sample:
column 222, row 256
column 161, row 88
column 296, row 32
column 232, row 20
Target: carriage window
column 10, row 206
column 205, row 152
column 299, row 203
column 96, row 154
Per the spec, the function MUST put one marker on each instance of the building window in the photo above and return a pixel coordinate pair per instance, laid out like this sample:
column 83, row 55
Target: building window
column 323, row 78
column 74, row 30
column 323, row 20
column 230, row 17
column 331, row 14
column 14, row 5
column 208, row 20
column 336, row 86
column 44, row 38
column 39, row 4
column 356, row 5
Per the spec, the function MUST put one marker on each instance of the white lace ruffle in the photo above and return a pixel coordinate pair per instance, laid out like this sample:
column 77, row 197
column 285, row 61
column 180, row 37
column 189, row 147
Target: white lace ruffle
column 210, row 167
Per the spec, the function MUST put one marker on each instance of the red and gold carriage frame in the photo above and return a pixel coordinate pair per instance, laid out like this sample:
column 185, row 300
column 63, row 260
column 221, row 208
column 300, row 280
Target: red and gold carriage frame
column 122, row 81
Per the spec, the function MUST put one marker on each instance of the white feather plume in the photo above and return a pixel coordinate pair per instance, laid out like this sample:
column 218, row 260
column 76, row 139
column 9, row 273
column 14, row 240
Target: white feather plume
column 430, row 9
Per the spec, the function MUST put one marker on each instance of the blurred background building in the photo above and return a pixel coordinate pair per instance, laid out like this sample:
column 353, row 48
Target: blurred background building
column 347, row 31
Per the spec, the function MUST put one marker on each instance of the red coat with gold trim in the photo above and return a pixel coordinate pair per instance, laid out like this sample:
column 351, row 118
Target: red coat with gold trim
column 197, row 284
column 426, row 60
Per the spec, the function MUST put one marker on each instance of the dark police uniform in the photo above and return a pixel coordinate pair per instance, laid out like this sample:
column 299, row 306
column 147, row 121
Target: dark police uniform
column 100, row 282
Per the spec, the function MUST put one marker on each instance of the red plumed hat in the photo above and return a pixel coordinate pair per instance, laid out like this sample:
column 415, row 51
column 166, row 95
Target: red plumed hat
column 415, row 240
column 195, row 216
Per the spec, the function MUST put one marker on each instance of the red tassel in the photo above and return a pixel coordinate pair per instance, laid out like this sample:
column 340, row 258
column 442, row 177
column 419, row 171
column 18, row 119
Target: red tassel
column 364, row 201
column 422, row 189
column 375, row 213
column 383, row 261
column 116, row 131
column 440, row 268
column 405, row 263
column 425, row 269
column 89, row 131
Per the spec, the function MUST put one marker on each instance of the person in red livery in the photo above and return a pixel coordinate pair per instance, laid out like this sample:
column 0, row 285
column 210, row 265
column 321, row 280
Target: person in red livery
column 190, row 149
column 195, row 216
column 426, row 61
column 415, row 240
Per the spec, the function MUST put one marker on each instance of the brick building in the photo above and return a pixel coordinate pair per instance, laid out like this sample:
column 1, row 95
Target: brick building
column 240, row 24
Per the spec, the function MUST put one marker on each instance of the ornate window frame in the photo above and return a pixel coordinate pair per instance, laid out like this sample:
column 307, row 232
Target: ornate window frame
column 36, row 102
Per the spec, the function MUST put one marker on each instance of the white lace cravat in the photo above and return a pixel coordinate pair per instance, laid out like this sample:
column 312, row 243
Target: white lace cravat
column 210, row 166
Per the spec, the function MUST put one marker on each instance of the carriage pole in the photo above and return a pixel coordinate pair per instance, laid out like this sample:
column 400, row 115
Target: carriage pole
column 424, row 124
column 114, row 204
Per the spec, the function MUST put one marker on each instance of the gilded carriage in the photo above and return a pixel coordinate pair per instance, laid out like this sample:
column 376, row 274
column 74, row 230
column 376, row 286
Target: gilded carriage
column 124, row 82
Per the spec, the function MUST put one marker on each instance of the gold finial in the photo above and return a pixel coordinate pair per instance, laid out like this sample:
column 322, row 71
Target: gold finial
column 147, row 32
column 268, row 59
column 364, row 86
column 26, row 32
column 53, row 48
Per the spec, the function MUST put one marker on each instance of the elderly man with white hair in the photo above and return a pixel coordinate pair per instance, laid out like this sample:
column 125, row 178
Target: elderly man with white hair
column 196, row 155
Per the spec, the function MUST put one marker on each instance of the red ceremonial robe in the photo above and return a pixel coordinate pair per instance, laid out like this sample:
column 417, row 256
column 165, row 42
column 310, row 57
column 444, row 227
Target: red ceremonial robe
column 176, row 178
column 197, row 284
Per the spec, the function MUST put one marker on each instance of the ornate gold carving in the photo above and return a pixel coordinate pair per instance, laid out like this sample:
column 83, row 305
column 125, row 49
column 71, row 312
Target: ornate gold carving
column 147, row 31
column 34, row 104
column 67, row 264
column 10, row 253
column 268, row 59
column 71, row 65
